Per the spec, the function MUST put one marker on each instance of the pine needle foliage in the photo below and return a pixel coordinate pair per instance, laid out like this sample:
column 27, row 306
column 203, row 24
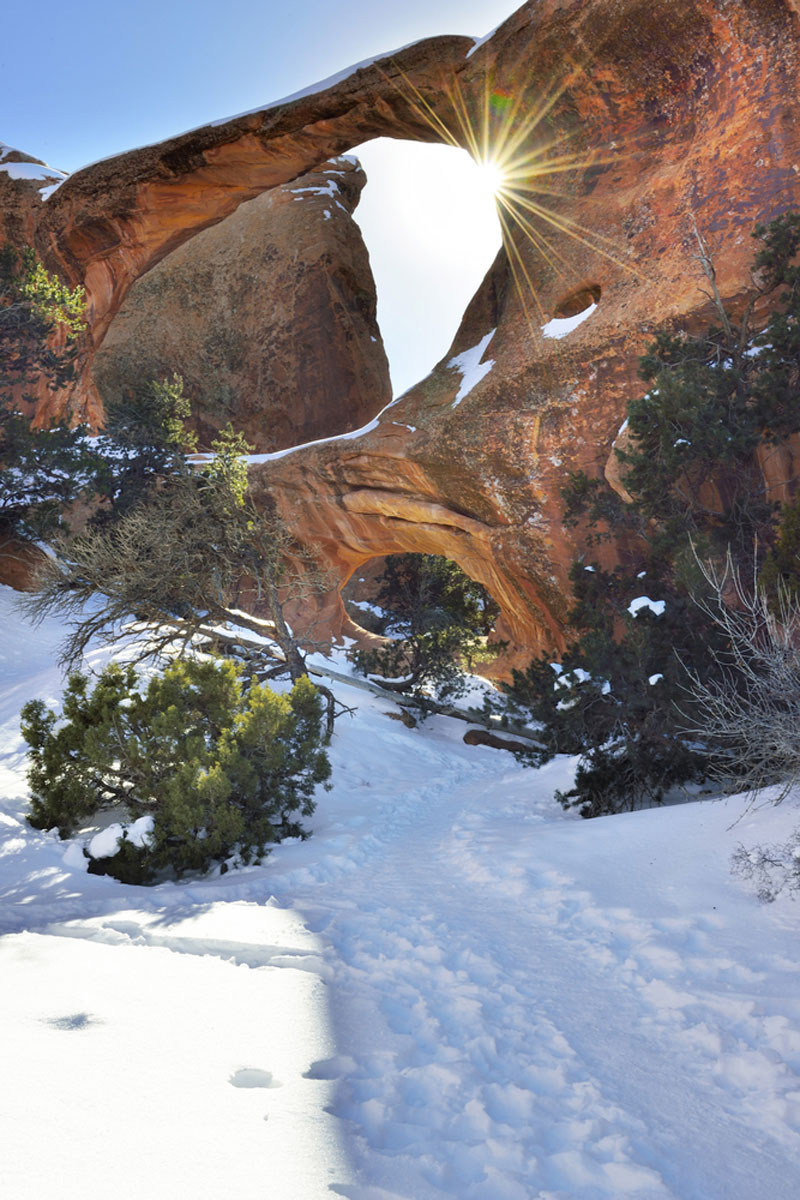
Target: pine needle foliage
column 41, row 470
column 224, row 770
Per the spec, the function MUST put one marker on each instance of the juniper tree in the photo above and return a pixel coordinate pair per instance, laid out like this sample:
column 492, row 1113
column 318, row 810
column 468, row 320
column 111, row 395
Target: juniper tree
column 144, row 439
column 438, row 618
column 42, row 470
column 222, row 770
column 176, row 563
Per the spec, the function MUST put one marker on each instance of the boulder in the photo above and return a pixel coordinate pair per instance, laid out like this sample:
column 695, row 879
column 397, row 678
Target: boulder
column 269, row 316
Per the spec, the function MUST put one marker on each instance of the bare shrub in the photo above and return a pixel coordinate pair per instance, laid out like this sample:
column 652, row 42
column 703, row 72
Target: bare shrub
column 771, row 869
column 750, row 705
column 750, row 710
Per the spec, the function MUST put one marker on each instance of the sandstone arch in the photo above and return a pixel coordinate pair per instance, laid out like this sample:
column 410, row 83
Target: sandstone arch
column 111, row 222
column 653, row 113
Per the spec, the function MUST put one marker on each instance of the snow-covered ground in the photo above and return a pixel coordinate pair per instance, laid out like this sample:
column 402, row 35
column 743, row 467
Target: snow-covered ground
column 453, row 989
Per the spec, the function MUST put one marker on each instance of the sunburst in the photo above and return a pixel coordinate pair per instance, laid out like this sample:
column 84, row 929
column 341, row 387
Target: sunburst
column 524, row 165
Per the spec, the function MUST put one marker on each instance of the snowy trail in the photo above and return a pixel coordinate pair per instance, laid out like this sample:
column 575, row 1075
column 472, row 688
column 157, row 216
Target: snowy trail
column 517, row 1032
column 452, row 990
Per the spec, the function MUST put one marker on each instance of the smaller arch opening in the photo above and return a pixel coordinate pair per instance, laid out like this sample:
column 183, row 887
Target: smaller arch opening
column 578, row 301
column 432, row 625
column 387, row 593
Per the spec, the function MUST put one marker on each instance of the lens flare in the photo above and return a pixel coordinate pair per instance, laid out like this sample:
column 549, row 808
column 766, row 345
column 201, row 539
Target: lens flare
column 528, row 163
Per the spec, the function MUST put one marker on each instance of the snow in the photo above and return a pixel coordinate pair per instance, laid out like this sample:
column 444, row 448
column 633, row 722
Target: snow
column 339, row 437
column 312, row 89
column 478, row 42
column 33, row 171
column 471, row 367
column 331, row 189
column 30, row 170
column 559, row 327
column 570, row 679
column 576, row 675
column 452, row 990
column 367, row 606
column 656, row 606
column 106, row 842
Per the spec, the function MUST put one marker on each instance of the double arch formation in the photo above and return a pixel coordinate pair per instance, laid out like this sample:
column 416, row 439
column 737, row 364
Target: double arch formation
column 622, row 126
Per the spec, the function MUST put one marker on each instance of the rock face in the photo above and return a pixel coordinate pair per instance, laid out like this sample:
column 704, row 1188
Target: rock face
column 268, row 316
column 680, row 113
column 622, row 124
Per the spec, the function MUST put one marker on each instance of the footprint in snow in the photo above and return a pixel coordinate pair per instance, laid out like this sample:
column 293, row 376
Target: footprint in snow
column 332, row 1068
column 253, row 1077
column 73, row 1021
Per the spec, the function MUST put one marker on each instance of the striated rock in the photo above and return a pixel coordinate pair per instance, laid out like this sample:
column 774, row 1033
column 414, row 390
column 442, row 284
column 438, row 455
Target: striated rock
column 269, row 316
column 624, row 122
column 680, row 112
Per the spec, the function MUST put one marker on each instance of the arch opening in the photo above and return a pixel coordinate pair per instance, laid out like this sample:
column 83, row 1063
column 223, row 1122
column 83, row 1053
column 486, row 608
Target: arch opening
column 578, row 301
column 427, row 624
column 429, row 220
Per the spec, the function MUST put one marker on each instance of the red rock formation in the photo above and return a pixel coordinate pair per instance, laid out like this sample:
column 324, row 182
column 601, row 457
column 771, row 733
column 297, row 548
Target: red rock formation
column 677, row 113
column 625, row 120
column 269, row 317
column 22, row 179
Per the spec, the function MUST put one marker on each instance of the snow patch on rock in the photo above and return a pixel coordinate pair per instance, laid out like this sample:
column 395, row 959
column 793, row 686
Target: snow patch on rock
column 472, row 369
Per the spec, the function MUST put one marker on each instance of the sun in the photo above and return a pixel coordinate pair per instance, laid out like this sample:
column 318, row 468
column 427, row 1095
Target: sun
column 521, row 155
column 492, row 176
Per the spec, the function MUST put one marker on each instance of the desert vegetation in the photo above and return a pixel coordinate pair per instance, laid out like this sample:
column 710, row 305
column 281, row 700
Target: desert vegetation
column 684, row 664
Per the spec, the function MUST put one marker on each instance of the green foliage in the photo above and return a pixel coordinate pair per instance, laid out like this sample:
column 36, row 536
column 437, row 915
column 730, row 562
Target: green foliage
column 228, row 468
column 44, row 470
column 612, row 698
column 41, row 470
column 145, row 439
column 175, row 553
column 223, row 770
column 33, row 307
column 714, row 400
column 50, row 299
column 591, row 501
column 439, row 618
column 691, row 466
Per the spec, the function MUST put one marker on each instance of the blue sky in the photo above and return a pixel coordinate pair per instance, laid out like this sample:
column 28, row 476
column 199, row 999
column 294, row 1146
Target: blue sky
column 85, row 79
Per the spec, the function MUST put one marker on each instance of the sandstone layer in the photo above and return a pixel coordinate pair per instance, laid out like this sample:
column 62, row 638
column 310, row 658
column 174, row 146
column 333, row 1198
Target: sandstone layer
column 269, row 317
column 625, row 123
